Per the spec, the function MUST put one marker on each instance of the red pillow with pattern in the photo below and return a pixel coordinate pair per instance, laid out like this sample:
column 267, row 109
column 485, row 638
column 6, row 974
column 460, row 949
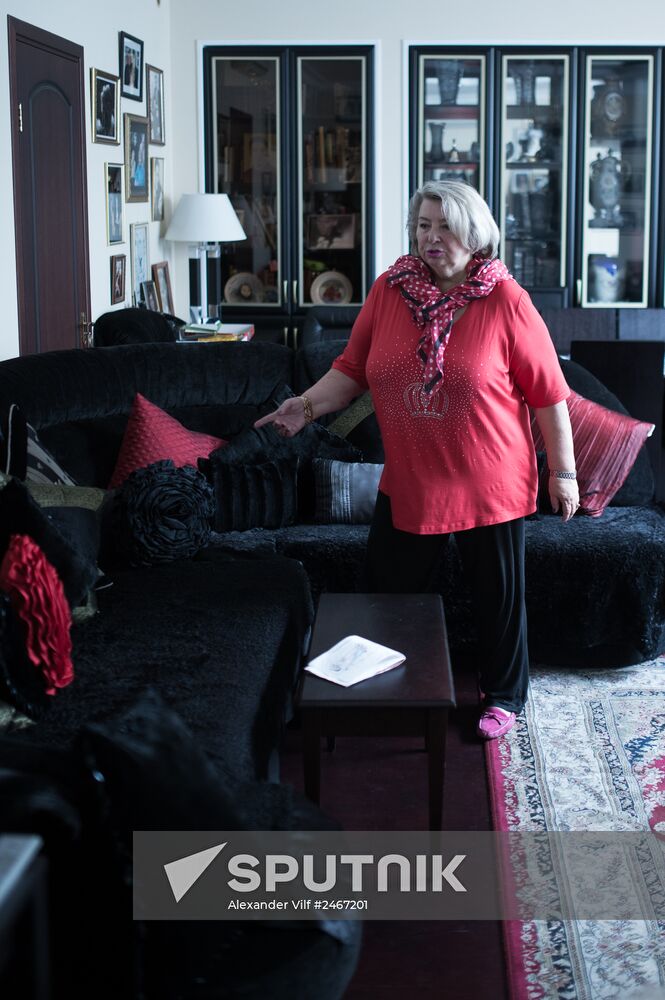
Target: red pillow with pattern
column 606, row 445
column 152, row 435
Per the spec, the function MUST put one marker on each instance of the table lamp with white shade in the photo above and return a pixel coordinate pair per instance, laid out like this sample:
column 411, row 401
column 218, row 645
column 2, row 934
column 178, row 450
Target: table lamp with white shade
column 200, row 219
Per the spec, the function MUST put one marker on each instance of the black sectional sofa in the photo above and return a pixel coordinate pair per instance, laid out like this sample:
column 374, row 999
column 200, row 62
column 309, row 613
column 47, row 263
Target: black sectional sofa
column 595, row 587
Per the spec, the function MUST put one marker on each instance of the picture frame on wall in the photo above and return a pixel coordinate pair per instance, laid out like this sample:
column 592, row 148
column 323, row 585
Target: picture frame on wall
column 150, row 295
column 136, row 158
column 105, row 107
column 118, row 270
column 115, row 222
column 131, row 67
column 157, row 188
column 139, row 249
column 154, row 82
column 162, row 279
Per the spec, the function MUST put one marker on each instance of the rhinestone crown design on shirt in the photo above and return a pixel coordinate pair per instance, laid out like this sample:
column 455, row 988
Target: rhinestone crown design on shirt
column 420, row 403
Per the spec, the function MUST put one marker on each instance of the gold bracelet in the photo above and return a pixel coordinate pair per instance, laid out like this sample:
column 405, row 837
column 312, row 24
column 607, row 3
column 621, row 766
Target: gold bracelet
column 307, row 407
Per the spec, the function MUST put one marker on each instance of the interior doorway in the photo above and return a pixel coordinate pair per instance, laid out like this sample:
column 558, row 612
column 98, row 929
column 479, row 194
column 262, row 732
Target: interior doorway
column 47, row 93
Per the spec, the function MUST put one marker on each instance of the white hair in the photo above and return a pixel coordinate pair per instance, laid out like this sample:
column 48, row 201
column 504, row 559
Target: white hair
column 467, row 214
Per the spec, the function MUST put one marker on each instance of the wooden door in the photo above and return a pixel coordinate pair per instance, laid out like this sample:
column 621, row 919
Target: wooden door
column 50, row 201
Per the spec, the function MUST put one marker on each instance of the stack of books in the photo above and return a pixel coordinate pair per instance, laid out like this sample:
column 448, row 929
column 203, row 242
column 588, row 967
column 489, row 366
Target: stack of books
column 202, row 333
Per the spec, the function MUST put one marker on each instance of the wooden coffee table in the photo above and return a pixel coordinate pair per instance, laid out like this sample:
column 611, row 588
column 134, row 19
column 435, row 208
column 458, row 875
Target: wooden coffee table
column 410, row 700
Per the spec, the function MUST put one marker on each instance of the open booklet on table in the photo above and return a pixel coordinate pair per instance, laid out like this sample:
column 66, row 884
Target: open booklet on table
column 354, row 659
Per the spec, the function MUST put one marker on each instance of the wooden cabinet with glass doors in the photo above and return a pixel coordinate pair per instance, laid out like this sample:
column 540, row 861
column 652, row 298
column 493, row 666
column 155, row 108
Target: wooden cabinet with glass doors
column 288, row 138
column 563, row 142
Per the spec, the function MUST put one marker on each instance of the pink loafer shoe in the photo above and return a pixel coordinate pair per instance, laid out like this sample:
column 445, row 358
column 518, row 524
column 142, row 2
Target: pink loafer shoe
column 495, row 722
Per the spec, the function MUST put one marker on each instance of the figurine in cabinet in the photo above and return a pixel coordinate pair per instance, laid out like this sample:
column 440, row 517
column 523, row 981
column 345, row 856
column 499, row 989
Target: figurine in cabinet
column 608, row 174
column 449, row 73
column 607, row 109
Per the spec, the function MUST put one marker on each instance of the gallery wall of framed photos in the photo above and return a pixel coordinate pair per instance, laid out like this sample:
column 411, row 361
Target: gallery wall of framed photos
column 129, row 157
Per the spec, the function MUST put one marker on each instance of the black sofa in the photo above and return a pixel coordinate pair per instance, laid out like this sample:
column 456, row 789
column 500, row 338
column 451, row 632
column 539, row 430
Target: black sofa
column 219, row 640
column 595, row 587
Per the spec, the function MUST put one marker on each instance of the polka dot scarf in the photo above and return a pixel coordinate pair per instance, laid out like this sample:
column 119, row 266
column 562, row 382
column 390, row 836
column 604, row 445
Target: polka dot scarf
column 433, row 310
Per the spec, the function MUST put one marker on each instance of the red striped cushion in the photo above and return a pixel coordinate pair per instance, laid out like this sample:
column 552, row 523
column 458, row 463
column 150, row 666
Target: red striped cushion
column 606, row 446
column 152, row 435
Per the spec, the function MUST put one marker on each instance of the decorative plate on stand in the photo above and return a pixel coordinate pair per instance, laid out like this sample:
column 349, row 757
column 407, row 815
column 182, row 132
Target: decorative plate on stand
column 244, row 287
column 332, row 288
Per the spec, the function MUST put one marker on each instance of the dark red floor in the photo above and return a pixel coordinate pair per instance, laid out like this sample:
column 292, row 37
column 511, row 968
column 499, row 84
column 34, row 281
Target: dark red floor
column 380, row 784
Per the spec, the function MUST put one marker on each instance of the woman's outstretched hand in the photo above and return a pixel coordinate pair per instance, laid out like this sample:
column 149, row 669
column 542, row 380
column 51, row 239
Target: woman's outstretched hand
column 287, row 419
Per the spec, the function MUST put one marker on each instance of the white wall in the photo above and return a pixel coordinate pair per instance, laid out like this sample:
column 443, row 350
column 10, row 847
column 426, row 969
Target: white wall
column 173, row 31
column 389, row 22
column 94, row 25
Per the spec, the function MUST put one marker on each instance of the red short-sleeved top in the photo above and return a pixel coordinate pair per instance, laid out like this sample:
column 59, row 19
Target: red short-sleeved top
column 464, row 457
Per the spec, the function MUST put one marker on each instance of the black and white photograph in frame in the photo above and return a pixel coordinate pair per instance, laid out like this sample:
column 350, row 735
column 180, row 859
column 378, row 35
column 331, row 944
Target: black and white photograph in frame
column 140, row 258
column 162, row 279
column 154, row 82
column 157, row 188
column 136, row 158
column 150, row 295
column 114, row 203
column 131, row 67
column 118, row 264
column 105, row 101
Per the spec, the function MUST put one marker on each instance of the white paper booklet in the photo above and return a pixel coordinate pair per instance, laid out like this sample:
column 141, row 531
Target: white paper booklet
column 354, row 659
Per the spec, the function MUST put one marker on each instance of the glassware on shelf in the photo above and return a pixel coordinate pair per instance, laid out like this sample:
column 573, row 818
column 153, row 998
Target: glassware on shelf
column 607, row 278
column 524, row 75
column 449, row 72
column 435, row 152
column 608, row 177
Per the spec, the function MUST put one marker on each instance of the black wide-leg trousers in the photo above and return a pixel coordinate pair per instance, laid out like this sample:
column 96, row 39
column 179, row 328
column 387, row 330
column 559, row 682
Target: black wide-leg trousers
column 400, row 562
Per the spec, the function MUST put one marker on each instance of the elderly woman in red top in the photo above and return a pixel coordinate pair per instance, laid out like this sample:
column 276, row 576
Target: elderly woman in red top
column 454, row 353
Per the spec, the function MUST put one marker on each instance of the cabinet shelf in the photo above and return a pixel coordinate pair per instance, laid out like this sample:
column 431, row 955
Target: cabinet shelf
column 546, row 236
column 451, row 112
column 452, row 164
column 539, row 112
column 532, row 165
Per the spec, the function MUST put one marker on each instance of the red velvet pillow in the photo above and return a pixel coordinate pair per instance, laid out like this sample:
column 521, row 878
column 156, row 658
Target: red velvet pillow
column 606, row 445
column 152, row 435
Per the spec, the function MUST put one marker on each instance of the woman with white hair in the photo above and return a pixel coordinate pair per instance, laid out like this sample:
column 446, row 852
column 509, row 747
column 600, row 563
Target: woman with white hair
column 454, row 353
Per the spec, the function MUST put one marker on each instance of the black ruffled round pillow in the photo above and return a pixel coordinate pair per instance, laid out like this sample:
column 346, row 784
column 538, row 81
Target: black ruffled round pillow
column 160, row 513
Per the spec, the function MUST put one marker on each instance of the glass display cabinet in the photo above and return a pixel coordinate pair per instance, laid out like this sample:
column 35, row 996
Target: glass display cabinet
column 617, row 182
column 564, row 144
column 451, row 127
column 534, row 168
column 288, row 137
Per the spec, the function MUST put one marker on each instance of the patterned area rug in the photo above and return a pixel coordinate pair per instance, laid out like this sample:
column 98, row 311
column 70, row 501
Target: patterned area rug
column 588, row 753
